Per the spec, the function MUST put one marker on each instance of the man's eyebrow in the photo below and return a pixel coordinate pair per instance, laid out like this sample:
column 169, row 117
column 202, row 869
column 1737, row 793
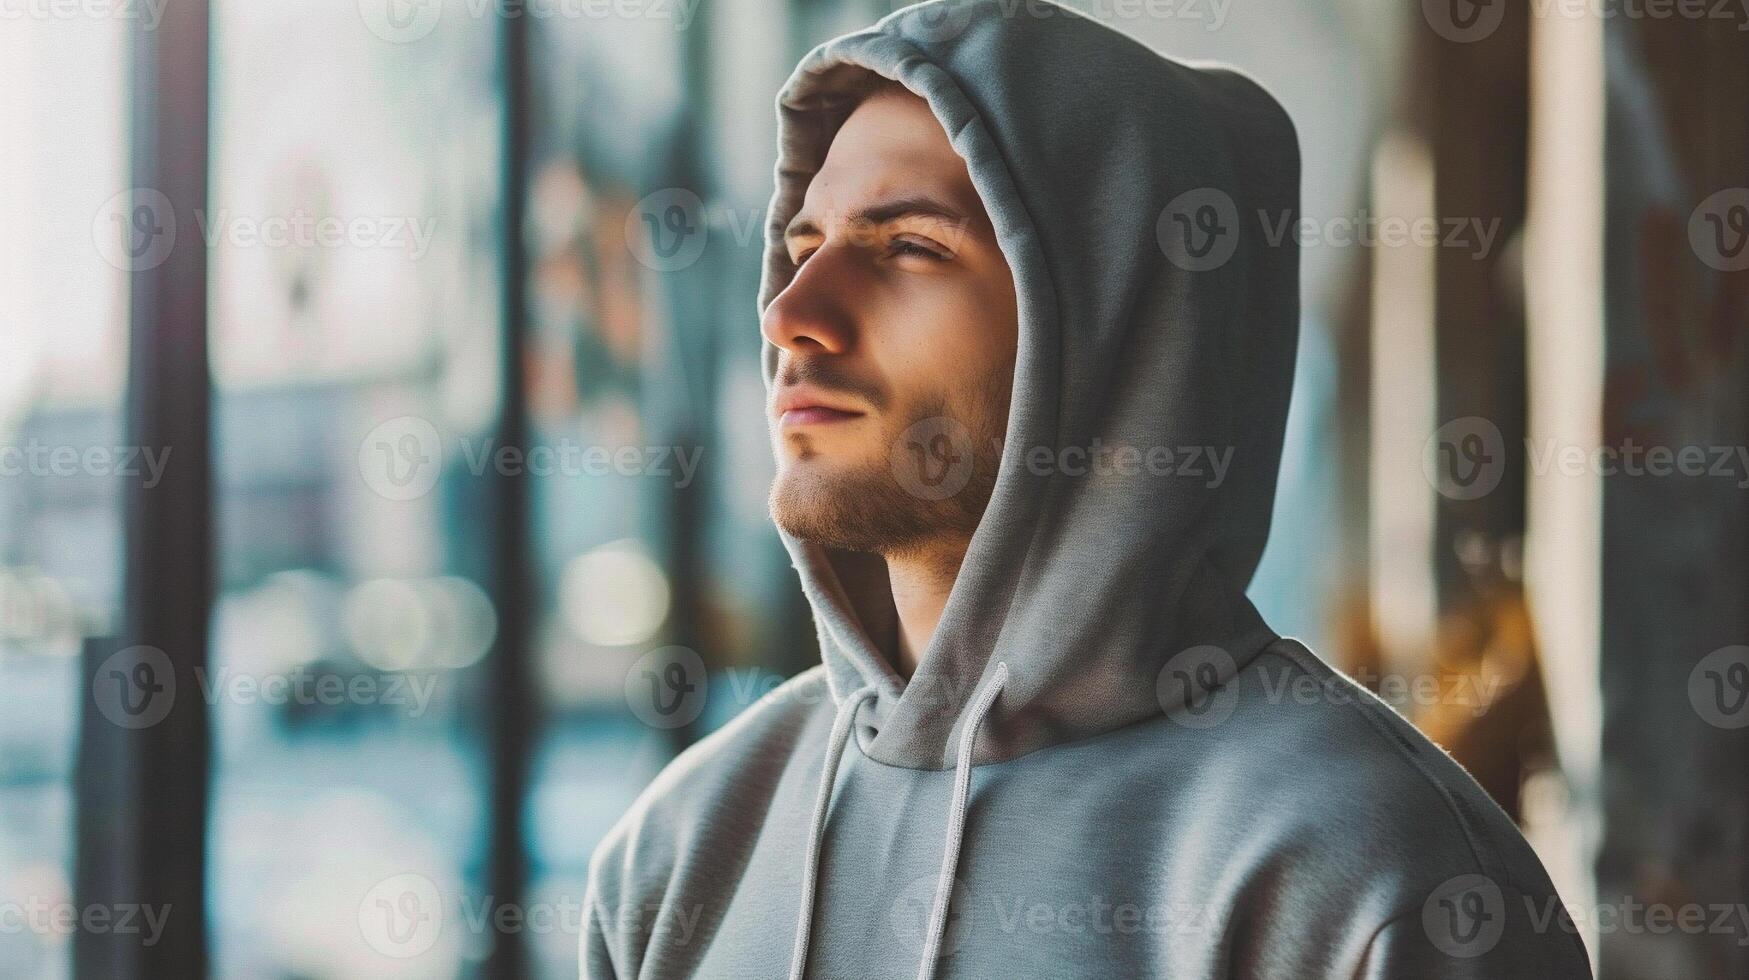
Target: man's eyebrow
column 883, row 212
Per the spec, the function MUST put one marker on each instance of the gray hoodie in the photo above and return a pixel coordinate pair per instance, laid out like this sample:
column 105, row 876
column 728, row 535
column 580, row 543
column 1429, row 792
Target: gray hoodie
column 1106, row 764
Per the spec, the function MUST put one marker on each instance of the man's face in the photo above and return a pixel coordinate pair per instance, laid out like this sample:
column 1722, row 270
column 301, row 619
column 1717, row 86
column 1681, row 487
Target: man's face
column 896, row 343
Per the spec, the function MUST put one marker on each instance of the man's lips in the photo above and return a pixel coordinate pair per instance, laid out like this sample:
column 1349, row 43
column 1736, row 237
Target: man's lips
column 814, row 415
column 806, row 405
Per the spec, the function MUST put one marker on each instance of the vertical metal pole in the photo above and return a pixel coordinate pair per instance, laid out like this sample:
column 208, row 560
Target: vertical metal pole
column 1674, row 780
column 143, row 780
column 513, row 705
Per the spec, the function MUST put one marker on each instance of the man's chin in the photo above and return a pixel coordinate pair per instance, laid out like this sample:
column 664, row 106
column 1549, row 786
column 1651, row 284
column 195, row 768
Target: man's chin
column 859, row 508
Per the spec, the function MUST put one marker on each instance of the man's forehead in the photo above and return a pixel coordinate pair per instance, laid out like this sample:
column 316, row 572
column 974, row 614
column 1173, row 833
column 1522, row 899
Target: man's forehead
column 895, row 119
column 892, row 143
column 835, row 196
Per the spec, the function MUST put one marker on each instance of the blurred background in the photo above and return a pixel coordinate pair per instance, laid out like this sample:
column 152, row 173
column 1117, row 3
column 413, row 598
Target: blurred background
column 383, row 466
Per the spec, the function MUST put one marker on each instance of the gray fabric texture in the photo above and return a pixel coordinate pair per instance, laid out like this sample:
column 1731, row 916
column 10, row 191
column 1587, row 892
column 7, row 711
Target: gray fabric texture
column 1155, row 784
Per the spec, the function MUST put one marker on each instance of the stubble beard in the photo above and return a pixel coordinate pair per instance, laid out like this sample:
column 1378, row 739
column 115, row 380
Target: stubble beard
column 864, row 506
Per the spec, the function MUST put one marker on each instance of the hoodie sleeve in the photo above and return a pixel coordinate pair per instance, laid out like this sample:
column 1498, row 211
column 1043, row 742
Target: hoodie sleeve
column 596, row 955
column 1440, row 941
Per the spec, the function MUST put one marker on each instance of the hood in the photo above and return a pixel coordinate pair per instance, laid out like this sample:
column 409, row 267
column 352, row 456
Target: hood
column 1157, row 333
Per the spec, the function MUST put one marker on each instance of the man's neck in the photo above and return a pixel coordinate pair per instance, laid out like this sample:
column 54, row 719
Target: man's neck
column 921, row 583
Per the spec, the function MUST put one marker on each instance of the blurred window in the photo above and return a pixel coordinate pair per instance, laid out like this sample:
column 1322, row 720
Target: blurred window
column 63, row 356
column 353, row 300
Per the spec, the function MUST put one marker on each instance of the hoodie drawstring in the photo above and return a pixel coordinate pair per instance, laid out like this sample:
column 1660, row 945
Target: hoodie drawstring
column 817, row 830
column 956, row 822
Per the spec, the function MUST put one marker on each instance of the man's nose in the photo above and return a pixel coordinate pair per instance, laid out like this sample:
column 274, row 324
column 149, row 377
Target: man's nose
column 813, row 313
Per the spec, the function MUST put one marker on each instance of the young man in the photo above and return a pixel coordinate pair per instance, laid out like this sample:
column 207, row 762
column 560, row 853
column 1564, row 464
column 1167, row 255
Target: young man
column 1028, row 374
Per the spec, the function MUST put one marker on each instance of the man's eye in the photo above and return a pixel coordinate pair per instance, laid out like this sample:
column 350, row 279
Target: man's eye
column 904, row 247
column 803, row 257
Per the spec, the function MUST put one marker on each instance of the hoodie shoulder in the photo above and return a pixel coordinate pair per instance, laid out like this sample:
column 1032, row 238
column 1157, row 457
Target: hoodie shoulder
column 1362, row 834
column 702, row 801
column 1361, row 765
